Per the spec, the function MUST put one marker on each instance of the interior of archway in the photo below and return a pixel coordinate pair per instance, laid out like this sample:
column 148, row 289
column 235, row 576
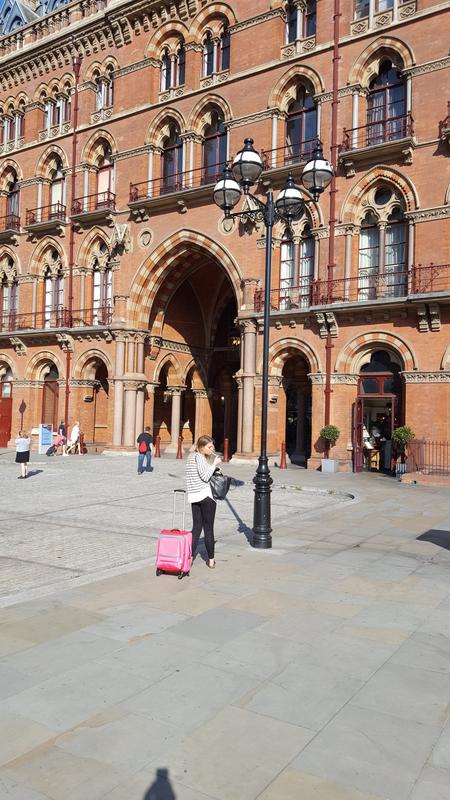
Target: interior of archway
column 197, row 325
column 297, row 391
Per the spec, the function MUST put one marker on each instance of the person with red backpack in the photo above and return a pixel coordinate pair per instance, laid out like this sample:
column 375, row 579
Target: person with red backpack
column 145, row 449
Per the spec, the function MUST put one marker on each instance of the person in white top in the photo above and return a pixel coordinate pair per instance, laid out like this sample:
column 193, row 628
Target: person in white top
column 198, row 473
column 23, row 446
column 74, row 440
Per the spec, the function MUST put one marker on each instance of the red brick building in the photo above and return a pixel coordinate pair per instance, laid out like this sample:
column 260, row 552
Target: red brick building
column 126, row 294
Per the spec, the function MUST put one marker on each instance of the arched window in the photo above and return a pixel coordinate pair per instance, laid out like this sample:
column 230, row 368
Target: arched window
column 20, row 121
column 105, row 179
column 301, row 127
column 98, row 91
column 224, row 50
column 296, row 269
column 5, row 383
column 214, row 148
column 382, row 256
column 101, row 288
column 386, row 106
column 66, row 103
column 53, row 291
column 208, row 55
column 180, row 64
column 56, row 108
column 108, row 99
column 166, row 71
column 300, row 21
column 8, row 294
column 10, row 125
column 287, row 270
column 57, row 189
column 13, row 198
column 172, row 161
column 367, row 8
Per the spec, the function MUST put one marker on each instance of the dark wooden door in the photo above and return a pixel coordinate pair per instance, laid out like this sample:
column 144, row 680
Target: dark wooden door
column 5, row 413
column 50, row 403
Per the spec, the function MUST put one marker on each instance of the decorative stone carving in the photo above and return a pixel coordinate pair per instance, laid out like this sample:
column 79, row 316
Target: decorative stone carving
column 332, row 324
column 422, row 318
column 344, row 379
column 435, row 317
column 18, row 345
column 120, row 238
column 426, row 377
column 323, row 328
column 425, row 214
column 145, row 238
column 65, row 342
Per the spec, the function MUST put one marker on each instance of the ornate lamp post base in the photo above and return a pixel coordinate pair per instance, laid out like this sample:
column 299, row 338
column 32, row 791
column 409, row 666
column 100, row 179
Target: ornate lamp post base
column 262, row 528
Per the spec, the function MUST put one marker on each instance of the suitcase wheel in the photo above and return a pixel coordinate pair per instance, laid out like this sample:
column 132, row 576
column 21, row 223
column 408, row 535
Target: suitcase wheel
column 180, row 576
column 158, row 572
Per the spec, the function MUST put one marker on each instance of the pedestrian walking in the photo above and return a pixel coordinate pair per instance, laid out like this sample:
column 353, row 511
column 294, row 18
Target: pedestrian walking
column 145, row 449
column 73, row 443
column 23, row 447
column 199, row 469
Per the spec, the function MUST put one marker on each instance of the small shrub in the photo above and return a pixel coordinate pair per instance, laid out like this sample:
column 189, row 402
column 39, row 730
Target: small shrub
column 330, row 433
column 401, row 437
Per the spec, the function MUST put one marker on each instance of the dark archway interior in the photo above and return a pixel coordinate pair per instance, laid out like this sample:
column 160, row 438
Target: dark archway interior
column 298, row 409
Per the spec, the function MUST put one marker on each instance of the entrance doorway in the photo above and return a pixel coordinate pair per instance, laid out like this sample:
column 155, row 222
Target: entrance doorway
column 50, row 396
column 5, row 410
column 376, row 413
column 297, row 389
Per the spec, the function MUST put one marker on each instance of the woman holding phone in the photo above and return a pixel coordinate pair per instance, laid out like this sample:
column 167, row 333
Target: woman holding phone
column 199, row 469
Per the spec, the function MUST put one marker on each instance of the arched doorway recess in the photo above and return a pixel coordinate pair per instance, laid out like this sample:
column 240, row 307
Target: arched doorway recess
column 298, row 403
column 5, row 403
column 198, row 353
column 50, row 396
column 377, row 411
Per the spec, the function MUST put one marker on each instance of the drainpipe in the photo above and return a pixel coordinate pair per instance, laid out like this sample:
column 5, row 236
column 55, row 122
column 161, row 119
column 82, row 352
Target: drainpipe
column 332, row 214
column 76, row 64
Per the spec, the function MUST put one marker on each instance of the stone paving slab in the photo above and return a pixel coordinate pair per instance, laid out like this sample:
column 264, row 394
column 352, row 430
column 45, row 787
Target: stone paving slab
column 318, row 670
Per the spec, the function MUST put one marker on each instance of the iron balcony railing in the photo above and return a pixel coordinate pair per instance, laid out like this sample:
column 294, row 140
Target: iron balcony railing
column 378, row 132
column 55, row 211
column 56, row 318
column 180, row 181
column 11, row 222
column 431, row 458
column 365, row 287
column 288, row 154
column 94, row 202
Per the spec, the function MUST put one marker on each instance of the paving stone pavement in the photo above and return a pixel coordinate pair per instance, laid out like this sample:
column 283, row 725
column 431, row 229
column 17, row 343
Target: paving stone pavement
column 317, row 670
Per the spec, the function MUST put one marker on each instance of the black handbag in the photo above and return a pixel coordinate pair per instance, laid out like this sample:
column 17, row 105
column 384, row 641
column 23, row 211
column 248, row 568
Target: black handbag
column 219, row 485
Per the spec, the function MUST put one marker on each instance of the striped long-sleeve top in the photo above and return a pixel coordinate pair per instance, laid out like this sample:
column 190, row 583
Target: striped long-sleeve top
column 198, row 473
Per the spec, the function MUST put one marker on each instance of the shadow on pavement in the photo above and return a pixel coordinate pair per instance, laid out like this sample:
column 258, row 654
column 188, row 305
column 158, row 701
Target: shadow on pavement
column 161, row 788
column 437, row 537
column 242, row 526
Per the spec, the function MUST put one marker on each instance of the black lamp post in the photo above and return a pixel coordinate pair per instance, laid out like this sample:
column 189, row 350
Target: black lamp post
column 245, row 172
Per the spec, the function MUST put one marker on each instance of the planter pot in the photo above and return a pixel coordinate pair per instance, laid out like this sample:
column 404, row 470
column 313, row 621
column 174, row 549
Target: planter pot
column 330, row 465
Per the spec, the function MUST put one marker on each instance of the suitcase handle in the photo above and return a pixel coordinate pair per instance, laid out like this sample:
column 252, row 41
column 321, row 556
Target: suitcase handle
column 183, row 492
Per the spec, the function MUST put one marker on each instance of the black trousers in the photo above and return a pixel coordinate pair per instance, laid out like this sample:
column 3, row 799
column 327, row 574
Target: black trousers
column 203, row 514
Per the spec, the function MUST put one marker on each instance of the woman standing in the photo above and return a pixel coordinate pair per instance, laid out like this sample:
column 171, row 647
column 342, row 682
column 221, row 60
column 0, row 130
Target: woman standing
column 23, row 444
column 198, row 473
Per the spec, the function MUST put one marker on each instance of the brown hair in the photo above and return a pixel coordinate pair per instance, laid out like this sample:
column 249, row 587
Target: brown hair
column 147, row 427
column 202, row 441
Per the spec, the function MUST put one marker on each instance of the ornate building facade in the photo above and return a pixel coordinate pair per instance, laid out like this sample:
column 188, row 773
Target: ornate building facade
column 127, row 299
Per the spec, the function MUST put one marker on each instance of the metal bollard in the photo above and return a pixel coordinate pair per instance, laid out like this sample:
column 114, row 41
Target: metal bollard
column 158, row 447
column 283, row 464
column 225, row 451
column 180, row 447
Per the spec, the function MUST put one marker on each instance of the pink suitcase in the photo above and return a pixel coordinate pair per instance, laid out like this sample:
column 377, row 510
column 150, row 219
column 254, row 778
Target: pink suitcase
column 174, row 549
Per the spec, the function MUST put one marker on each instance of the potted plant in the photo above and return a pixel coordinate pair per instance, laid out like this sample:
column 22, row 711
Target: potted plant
column 401, row 437
column 330, row 434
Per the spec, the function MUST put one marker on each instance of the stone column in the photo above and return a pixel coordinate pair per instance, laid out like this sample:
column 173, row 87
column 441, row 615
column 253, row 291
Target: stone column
column 130, row 388
column 348, row 262
column 82, row 289
column 130, row 354
column 175, row 424
column 248, row 328
column 239, row 414
column 203, row 414
column 140, row 344
column 149, row 406
column 139, row 415
column 118, row 390
column 355, row 112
